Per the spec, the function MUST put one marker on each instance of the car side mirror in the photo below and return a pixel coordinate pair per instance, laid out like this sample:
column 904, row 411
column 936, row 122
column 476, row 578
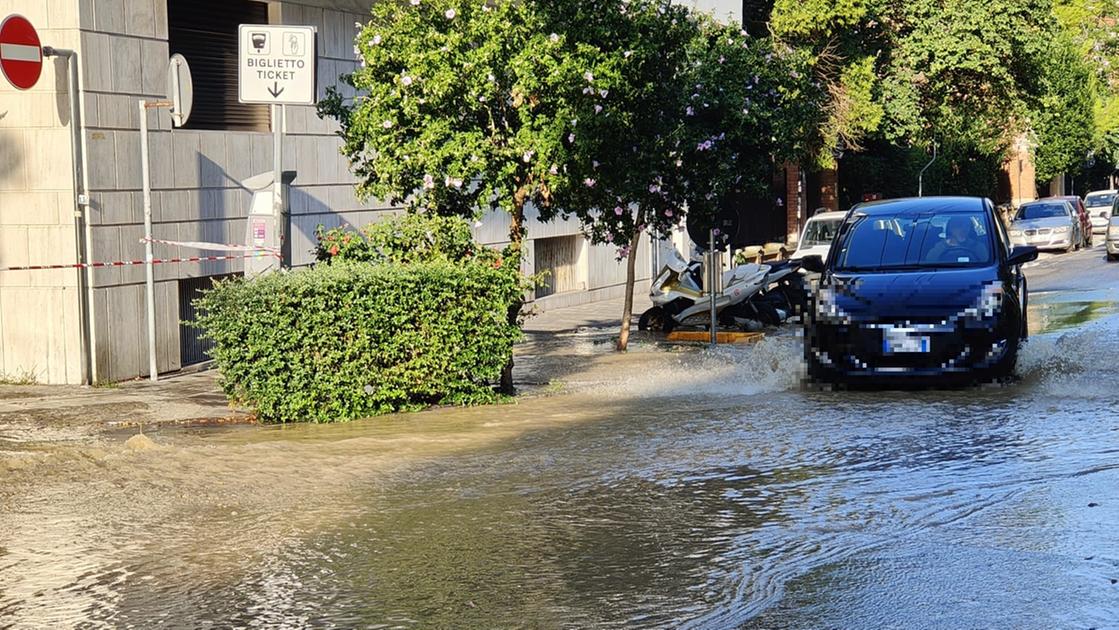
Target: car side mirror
column 1021, row 255
column 813, row 263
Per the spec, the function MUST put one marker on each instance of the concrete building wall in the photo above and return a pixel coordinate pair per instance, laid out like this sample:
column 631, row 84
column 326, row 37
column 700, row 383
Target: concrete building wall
column 39, row 310
column 195, row 174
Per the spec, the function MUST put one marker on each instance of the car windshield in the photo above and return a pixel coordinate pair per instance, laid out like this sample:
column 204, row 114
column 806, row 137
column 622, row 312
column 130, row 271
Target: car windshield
column 883, row 242
column 1099, row 200
column 821, row 232
column 1042, row 211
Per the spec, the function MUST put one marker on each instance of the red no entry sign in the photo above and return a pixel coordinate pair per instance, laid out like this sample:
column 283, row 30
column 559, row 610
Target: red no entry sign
column 21, row 55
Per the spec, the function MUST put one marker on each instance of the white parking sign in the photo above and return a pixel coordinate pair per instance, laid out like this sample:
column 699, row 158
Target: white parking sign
column 277, row 64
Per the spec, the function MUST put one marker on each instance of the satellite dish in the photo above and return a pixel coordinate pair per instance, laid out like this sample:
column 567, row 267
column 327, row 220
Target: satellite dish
column 180, row 89
column 725, row 223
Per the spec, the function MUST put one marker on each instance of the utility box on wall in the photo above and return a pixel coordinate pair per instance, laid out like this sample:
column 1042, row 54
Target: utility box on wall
column 266, row 228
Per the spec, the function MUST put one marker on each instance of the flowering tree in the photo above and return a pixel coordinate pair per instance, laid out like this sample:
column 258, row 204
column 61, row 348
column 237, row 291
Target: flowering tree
column 460, row 109
column 691, row 113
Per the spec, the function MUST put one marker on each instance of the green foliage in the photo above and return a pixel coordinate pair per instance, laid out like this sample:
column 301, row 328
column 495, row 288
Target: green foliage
column 344, row 341
column 965, row 73
column 459, row 106
column 1065, row 117
column 818, row 20
column 695, row 112
column 892, row 171
column 1091, row 25
column 407, row 238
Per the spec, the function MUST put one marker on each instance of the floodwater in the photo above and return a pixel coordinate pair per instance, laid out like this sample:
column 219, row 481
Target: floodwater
column 658, row 489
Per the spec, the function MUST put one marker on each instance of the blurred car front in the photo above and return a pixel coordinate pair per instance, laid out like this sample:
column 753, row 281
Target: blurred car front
column 900, row 300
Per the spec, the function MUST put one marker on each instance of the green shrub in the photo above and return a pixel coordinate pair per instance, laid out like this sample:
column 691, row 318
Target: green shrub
column 345, row 341
column 406, row 238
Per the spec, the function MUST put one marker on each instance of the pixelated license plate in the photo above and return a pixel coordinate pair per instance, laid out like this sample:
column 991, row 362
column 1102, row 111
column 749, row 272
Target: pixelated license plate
column 904, row 340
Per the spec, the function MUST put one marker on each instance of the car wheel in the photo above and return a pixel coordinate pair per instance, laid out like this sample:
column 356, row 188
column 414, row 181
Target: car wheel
column 1112, row 257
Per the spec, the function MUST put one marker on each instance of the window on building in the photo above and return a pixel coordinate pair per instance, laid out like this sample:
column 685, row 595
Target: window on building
column 205, row 33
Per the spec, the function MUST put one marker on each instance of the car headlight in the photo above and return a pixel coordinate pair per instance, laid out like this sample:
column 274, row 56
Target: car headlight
column 1016, row 232
column 826, row 306
column 987, row 306
column 1062, row 229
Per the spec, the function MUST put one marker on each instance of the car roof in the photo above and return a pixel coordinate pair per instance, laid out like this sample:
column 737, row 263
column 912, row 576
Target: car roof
column 1102, row 192
column 922, row 204
column 828, row 216
column 1047, row 201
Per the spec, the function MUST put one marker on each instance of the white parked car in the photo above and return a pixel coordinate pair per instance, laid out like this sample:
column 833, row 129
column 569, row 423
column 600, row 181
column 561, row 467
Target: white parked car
column 1099, row 205
column 818, row 235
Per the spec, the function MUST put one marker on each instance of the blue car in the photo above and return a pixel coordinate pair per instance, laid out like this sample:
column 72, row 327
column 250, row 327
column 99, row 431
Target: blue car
column 922, row 290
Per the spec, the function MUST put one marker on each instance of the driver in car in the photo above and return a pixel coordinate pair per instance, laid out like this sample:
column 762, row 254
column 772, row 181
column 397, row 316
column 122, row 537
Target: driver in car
column 960, row 242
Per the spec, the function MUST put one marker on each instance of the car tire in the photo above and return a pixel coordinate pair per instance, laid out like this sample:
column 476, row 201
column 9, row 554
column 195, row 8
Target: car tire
column 1112, row 257
column 652, row 319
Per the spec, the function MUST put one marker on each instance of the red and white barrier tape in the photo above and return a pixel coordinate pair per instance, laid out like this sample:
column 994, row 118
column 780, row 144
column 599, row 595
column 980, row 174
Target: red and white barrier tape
column 216, row 247
column 131, row 263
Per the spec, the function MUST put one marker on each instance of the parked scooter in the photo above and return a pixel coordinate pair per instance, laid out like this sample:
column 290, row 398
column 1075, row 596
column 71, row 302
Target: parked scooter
column 679, row 299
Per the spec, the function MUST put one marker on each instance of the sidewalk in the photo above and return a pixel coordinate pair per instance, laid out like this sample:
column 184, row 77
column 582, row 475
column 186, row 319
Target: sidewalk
column 604, row 314
column 34, row 413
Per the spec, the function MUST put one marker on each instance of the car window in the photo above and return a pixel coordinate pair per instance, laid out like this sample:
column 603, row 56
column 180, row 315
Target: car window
column 951, row 239
column 1099, row 200
column 1042, row 211
column 1115, row 209
column 821, row 232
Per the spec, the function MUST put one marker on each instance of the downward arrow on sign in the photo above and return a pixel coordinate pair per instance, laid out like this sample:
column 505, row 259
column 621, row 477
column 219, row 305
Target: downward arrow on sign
column 275, row 90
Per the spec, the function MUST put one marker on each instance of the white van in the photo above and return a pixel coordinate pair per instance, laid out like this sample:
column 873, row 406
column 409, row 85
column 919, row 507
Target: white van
column 818, row 235
column 1098, row 204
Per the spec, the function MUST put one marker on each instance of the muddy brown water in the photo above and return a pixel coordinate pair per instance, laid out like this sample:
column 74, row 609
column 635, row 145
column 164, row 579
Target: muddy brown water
column 658, row 489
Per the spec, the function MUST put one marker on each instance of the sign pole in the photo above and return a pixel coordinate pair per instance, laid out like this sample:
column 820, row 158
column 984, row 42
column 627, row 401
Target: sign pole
column 277, row 168
column 145, row 177
column 711, row 286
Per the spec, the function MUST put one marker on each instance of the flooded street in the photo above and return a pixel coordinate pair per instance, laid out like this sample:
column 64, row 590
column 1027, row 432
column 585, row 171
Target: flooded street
column 655, row 489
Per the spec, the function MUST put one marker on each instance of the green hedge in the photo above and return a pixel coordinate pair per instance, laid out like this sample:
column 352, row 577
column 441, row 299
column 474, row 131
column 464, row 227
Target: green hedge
column 350, row 340
column 406, row 238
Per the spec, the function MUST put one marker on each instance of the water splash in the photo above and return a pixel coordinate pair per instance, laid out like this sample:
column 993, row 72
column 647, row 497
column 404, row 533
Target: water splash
column 772, row 365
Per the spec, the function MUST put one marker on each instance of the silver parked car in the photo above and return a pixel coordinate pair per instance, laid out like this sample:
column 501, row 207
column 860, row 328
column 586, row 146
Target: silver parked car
column 1099, row 204
column 1049, row 224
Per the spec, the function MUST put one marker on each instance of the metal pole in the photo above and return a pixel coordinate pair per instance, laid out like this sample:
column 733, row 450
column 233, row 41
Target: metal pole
column 277, row 174
column 921, row 176
column 149, row 267
column 711, row 286
column 81, row 228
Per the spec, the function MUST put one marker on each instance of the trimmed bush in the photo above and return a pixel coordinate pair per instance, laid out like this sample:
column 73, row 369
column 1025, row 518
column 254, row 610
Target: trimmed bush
column 346, row 340
column 407, row 238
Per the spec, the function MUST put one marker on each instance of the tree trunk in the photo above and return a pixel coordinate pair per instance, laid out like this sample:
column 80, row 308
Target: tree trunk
column 627, row 310
column 515, row 252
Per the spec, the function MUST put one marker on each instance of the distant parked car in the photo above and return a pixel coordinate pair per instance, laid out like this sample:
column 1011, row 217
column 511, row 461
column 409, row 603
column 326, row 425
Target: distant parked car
column 819, row 232
column 1048, row 224
column 1082, row 214
column 1113, row 232
column 1099, row 208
